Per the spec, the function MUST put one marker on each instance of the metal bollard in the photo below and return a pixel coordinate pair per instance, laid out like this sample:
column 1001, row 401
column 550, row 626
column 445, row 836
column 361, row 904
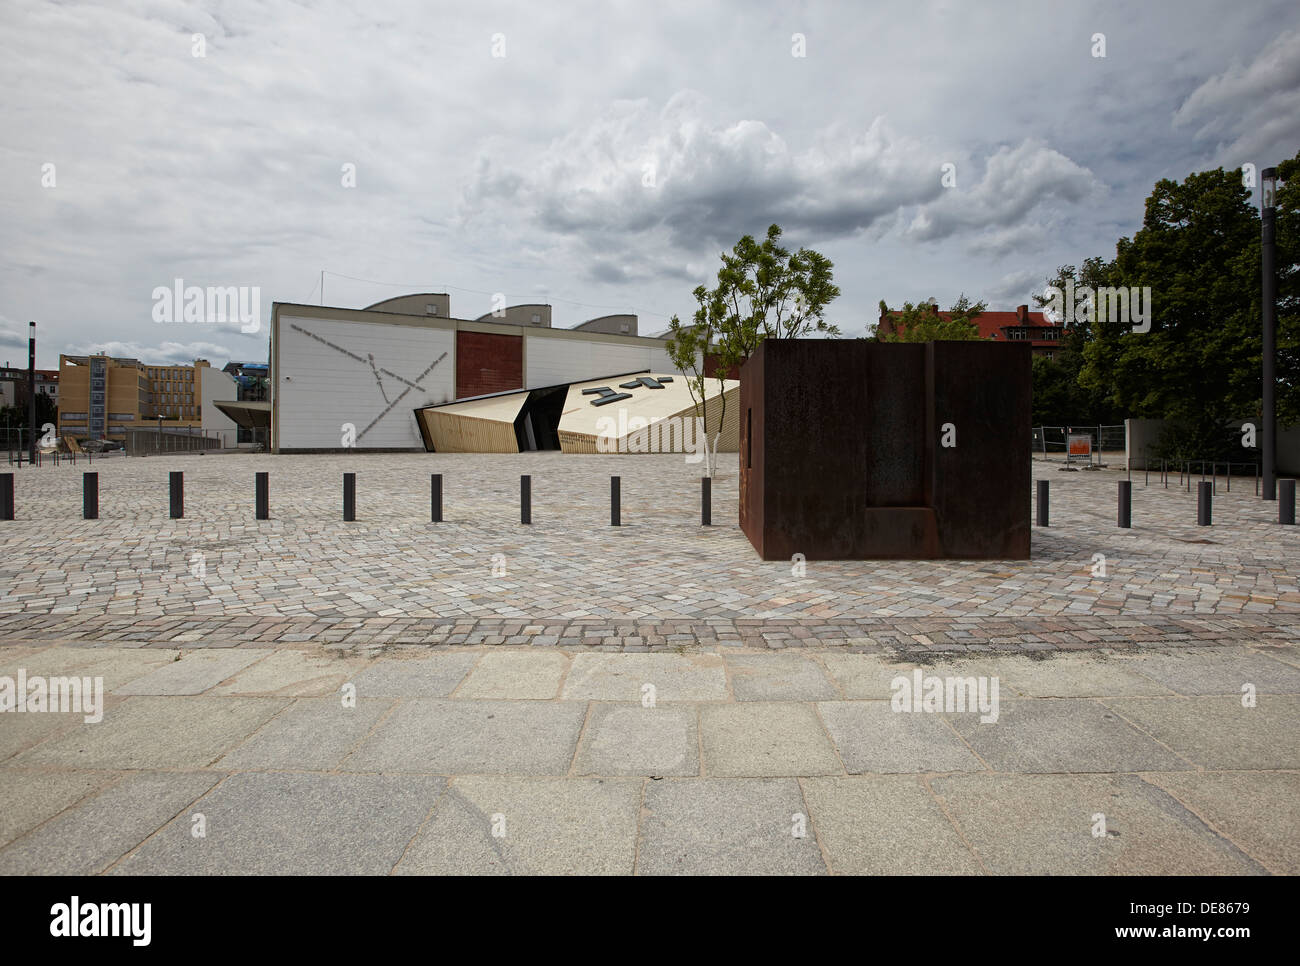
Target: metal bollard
column 1286, row 502
column 615, row 493
column 525, row 499
column 435, row 497
column 706, row 501
column 90, row 496
column 262, row 495
column 6, row 496
column 177, row 494
column 1043, row 503
column 349, row 497
column 1204, row 501
column 1125, row 504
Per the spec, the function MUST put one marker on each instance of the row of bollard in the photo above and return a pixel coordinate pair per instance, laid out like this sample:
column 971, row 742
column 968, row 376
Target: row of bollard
column 615, row 500
column 262, row 499
column 1204, row 503
column 176, row 493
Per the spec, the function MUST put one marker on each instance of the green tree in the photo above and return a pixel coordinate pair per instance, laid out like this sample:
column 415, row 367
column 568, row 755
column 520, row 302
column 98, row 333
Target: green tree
column 923, row 322
column 763, row 291
column 692, row 348
column 1059, row 398
column 16, row 417
column 1199, row 366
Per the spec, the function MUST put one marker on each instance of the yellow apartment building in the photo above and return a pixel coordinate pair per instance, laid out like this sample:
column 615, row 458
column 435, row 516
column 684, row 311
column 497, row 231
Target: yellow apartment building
column 101, row 396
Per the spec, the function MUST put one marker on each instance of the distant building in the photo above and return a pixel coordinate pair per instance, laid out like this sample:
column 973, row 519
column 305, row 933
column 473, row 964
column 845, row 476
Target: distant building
column 102, row 396
column 13, row 385
column 176, row 391
column 354, row 378
column 1018, row 326
column 252, row 385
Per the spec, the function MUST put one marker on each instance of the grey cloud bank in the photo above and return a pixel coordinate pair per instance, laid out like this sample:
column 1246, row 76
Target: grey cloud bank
column 604, row 160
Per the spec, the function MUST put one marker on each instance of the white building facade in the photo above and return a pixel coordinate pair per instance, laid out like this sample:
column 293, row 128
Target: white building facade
column 353, row 378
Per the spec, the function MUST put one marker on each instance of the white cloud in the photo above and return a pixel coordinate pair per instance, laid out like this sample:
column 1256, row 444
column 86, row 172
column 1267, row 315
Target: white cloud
column 705, row 180
column 176, row 353
column 13, row 335
column 524, row 173
column 1014, row 288
column 1017, row 183
column 1249, row 107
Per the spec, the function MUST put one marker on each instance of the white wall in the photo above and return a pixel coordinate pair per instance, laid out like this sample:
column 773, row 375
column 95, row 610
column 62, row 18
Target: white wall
column 216, row 384
column 549, row 362
column 1140, row 437
column 319, row 388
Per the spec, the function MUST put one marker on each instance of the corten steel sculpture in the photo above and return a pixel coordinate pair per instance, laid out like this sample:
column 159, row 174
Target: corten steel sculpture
column 843, row 451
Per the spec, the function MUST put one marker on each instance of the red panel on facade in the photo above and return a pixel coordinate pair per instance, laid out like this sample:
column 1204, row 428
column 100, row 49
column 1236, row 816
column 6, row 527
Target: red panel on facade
column 711, row 368
column 488, row 363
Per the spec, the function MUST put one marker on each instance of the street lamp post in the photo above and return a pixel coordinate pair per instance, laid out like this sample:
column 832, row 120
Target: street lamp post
column 1268, row 258
column 31, row 392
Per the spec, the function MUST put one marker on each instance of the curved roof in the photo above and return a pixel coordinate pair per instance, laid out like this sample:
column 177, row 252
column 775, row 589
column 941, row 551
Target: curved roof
column 489, row 316
column 414, row 304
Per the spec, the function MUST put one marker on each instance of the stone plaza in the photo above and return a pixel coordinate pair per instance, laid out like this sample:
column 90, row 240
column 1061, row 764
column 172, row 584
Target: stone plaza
column 572, row 697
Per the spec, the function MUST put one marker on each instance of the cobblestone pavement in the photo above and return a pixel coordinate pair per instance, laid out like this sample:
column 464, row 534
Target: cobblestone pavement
column 528, row 760
column 1156, row 685
column 220, row 578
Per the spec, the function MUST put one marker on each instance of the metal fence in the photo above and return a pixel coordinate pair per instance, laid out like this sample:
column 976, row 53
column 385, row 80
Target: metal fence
column 147, row 441
column 1049, row 442
column 15, row 442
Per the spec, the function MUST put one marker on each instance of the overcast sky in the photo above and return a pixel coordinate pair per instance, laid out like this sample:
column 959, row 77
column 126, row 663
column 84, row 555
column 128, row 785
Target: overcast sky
column 604, row 161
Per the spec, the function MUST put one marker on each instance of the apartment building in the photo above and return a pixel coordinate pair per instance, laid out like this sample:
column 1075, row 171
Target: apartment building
column 102, row 396
column 99, row 396
column 1019, row 326
column 13, row 385
column 176, row 391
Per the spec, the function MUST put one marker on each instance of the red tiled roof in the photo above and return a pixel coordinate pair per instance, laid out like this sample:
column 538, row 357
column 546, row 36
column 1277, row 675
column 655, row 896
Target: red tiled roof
column 992, row 323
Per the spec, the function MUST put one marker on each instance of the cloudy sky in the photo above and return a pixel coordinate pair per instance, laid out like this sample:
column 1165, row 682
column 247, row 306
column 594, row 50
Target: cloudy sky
column 597, row 156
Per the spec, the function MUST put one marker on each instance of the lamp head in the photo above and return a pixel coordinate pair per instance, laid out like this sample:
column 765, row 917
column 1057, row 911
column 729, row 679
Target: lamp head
column 1268, row 188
